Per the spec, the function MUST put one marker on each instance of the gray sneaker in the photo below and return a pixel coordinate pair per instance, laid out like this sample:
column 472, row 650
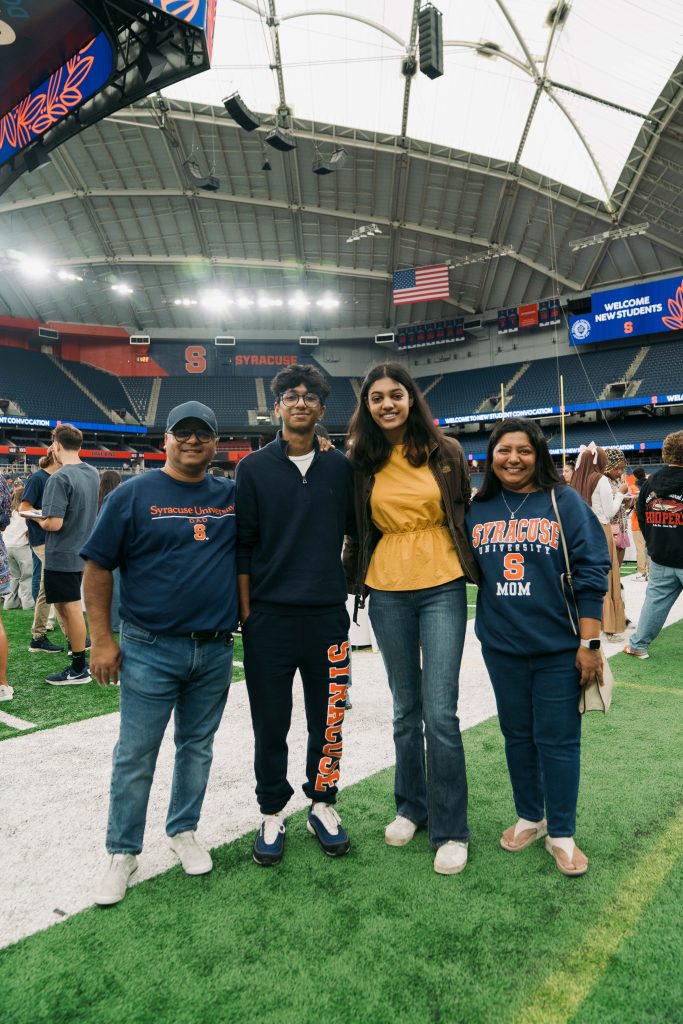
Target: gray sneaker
column 121, row 868
column 193, row 857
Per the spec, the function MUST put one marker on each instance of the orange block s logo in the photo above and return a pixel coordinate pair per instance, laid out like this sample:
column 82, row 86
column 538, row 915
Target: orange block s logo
column 513, row 566
column 199, row 531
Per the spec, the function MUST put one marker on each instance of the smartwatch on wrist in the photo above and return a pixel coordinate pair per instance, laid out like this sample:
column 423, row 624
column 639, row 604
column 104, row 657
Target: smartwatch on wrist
column 592, row 645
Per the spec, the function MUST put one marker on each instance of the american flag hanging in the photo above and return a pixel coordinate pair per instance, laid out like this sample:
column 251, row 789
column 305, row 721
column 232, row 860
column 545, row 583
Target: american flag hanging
column 421, row 284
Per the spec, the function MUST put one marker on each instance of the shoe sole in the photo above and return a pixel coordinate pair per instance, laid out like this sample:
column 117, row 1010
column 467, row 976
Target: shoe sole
column 112, row 902
column 263, row 863
column 68, row 682
column 578, row 873
column 450, row 871
column 6, row 700
column 540, row 834
column 41, row 650
column 399, row 842
column 337, row 851
column 635, row 654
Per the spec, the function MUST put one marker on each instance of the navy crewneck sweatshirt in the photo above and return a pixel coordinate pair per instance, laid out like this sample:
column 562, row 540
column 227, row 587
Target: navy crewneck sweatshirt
column 520, row 606
column 290, row 529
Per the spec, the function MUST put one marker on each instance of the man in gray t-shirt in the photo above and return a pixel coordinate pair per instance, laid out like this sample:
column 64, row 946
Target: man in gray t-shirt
column 68, row 513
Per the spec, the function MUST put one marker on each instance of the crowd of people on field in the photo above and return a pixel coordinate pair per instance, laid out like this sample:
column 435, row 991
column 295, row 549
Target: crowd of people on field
column 173, row 561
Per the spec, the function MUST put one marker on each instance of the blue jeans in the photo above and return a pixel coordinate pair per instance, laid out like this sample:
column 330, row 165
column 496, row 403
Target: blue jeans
column 432, row 623
column 160, row 675
column 538, row 711
column 663, row 588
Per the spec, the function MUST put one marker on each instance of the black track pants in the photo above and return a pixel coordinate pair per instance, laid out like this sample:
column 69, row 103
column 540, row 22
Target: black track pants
column 275, row 646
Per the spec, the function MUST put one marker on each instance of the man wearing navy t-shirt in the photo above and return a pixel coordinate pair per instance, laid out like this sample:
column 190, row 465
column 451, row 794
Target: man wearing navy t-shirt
column 171, row 533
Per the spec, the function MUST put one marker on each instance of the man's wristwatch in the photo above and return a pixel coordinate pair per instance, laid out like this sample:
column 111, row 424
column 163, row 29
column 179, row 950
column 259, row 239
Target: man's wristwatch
column 592, row 645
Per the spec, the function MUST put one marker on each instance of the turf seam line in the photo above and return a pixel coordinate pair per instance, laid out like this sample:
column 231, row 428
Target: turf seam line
column 652, row 689
column 562, row 992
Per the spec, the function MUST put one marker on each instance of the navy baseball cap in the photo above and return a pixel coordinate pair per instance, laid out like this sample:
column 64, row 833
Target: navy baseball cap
column 192, row 411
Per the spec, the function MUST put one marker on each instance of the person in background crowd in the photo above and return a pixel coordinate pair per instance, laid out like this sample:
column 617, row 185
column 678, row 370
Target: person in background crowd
column 635, row 486
column 32, row 500
column 568, row 471
column 616, row 474
column 660, row 514
column 294, row 506
column 171, row 532
column 595, row 488
column 539, row 648
column 412, row 487
column 109, row 481
column 19, row 554
column 6, row 691
column 69, row 510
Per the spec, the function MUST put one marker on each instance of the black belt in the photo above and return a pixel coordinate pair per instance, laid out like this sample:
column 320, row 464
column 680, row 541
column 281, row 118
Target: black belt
column 210, row 634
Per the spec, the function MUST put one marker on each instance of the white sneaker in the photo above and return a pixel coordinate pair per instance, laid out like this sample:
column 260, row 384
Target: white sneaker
column 193, row 857
column 400, row 831
column 6, row 692
column 450, row 858
column 122, row 866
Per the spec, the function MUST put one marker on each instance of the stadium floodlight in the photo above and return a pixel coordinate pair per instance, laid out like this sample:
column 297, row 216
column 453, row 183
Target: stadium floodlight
column 122, row 289
column 66, row 275
column 214, row 300
column 494, row 253
column 364, row 231
column 299, row 301
column 184, row 302
column 244, row 302
column 328, row 302
column 37, row 270
column 609, row 235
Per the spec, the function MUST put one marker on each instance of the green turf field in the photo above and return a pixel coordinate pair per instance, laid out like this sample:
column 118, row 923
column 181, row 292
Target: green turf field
column 377, row 937
column 46, row 706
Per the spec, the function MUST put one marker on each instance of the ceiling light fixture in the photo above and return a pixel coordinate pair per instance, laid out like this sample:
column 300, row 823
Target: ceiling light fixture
column 609, row 236
column 493, row 253
column 122, row 289
column 364, row 231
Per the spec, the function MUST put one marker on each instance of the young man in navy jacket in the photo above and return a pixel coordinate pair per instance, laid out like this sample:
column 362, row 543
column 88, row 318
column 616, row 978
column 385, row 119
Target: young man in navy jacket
column 294, row 505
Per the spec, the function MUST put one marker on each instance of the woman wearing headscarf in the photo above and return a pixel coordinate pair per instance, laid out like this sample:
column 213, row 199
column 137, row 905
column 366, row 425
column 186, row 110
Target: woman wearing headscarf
column 594, row 487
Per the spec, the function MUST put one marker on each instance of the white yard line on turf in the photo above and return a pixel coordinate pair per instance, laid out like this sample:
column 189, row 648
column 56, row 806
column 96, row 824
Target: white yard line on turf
column 55, row 785
column 14, row 722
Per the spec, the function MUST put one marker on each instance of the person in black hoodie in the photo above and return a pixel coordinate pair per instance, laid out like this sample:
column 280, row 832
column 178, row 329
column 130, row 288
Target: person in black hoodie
column 294, row 506
column 660, row 514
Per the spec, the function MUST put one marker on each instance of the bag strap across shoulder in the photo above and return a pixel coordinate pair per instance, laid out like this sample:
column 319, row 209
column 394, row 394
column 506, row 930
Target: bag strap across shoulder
column 566, row 577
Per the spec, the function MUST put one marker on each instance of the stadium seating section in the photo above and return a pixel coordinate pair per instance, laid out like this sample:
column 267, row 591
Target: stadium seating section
column 35, row 382
column 42, row 390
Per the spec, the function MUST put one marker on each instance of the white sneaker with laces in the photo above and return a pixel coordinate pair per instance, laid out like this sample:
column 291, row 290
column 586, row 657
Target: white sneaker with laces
column 400, row 831
column 6, row 692
column 191, row 854
column 451, row 857
column 122, row 866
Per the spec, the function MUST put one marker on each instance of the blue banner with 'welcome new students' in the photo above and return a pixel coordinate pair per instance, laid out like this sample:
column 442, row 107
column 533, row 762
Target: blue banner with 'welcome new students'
column 650, row 308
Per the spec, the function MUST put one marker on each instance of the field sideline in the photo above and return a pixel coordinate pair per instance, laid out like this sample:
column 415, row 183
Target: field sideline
column 376, row 936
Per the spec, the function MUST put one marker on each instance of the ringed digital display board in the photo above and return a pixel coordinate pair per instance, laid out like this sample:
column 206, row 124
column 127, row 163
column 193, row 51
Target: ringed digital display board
column 651, row 308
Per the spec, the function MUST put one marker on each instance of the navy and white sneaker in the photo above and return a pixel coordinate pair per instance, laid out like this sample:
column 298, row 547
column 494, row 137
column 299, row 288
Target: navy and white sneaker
column 269, row 845
column 325, row 824
column 44, row 645
column 69, row 677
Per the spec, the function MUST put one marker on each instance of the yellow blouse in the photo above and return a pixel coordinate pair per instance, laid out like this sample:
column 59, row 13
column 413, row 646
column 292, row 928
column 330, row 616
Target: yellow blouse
column 416, row 548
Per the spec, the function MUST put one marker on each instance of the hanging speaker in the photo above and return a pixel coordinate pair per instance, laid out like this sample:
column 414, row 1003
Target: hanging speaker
column 153, row 66
column 334, row 163
column 280, row 140
column 241, row 113
column 195, row 179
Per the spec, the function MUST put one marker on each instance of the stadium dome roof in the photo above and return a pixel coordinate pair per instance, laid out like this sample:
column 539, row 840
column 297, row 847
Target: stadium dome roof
column 550, row 124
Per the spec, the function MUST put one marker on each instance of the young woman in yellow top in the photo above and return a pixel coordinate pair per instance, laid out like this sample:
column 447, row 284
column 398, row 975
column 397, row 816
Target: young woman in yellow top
column 412, row 489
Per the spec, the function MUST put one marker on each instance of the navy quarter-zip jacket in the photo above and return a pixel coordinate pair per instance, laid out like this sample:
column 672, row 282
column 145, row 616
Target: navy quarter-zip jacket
column 290, row 529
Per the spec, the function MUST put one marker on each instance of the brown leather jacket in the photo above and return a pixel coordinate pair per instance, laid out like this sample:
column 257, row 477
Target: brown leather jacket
column 447, row 463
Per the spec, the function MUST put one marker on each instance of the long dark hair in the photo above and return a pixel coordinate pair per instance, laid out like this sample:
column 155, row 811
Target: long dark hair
column 367, row 443
column 109, row 481
column 545, row 473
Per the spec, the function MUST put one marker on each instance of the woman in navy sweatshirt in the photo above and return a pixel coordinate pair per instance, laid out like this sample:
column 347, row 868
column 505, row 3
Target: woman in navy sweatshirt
column 536, row 656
